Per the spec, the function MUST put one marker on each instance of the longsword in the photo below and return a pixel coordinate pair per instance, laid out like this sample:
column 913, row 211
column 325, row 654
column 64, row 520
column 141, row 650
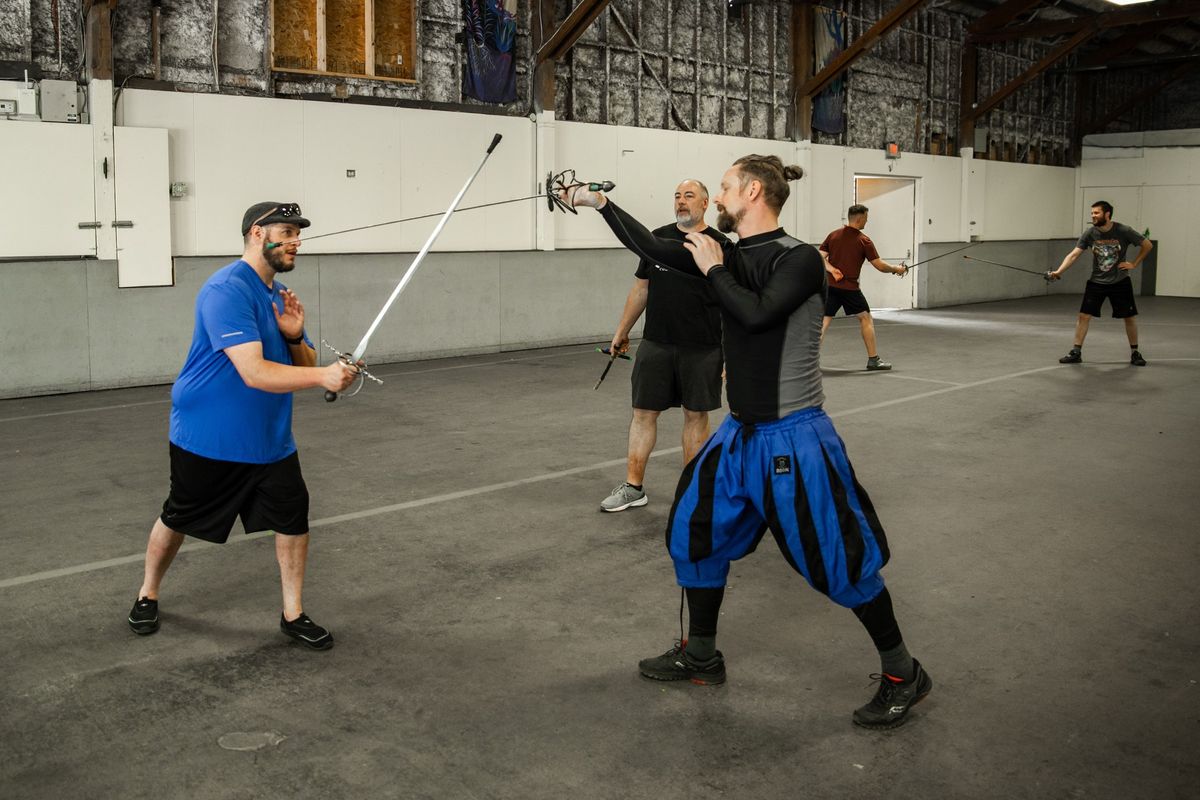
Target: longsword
column 357, row 355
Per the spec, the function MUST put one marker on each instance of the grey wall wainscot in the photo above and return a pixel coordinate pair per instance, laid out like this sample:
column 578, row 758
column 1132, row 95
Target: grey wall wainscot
column 66, row 327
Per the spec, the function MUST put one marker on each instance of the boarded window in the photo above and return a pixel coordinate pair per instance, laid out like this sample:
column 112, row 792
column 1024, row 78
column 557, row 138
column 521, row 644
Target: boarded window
column 353, row 38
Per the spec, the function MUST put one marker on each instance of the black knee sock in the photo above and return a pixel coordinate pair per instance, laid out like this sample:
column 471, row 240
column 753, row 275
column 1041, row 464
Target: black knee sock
column 704, row 607
column 879, row 619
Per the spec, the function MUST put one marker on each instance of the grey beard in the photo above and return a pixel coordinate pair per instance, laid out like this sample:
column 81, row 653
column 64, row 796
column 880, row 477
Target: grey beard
column 686, row 220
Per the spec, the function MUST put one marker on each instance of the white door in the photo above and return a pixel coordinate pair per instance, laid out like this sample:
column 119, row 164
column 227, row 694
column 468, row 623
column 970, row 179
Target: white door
column 892, row 225
column 143, row 222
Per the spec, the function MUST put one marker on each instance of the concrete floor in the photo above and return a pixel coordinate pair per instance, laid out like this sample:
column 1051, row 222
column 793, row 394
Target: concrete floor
column 1043, row 522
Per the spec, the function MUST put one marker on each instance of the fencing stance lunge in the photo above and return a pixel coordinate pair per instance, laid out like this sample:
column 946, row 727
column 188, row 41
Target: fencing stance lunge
column 776, row 463
column 232, row 451
column 844, row 252
column 679, row 360
column 1108, row 242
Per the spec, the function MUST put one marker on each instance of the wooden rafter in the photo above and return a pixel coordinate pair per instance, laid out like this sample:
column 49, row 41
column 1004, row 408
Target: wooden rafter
column 861, row 45
column 567, row 34
column 1025, row 77
column 1173, row 9
column 1140, row 96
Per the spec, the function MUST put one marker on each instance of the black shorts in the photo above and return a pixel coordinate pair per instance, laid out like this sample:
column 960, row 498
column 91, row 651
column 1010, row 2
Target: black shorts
column 669, row 375
column 1119, row 294
column 852, row 300
column 208, row 495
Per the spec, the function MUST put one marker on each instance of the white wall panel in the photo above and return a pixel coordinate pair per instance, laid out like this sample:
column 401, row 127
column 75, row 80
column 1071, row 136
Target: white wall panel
column 1028, row 201
column 590, row 150
column 440, row 150
column 174, row 111
column 1169, row 212
column 248, row 149
column 363, row 139
column 46, row 165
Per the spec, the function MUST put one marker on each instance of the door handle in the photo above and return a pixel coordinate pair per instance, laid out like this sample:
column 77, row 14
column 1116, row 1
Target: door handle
column 122, row 223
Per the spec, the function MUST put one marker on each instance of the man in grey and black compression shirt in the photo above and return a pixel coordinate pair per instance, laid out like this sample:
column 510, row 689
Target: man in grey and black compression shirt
column 776, row 463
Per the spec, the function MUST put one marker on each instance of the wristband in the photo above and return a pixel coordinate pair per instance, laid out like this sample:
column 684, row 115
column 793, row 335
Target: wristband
column 298, row 340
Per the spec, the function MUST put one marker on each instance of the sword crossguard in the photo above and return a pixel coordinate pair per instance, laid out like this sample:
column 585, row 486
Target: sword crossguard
column 361, row 369
column 565, row 181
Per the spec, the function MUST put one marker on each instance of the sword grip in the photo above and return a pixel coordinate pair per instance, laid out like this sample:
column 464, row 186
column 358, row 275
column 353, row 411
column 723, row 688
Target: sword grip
column 330, row 396
column 495, row 141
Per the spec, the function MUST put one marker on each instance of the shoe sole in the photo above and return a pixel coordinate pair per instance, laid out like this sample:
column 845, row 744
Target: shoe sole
column 631, row 504
column 320, row 644
column 879, row 369
column 143, row 628
column 699, row 681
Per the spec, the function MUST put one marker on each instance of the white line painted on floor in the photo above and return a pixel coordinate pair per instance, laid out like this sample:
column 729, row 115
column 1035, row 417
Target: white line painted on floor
column 496, row 487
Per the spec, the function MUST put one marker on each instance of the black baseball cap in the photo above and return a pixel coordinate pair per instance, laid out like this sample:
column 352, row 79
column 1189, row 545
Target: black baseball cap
column 271, row 211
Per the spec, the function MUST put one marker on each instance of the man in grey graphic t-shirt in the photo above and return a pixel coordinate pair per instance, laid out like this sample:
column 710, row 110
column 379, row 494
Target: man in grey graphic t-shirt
column 1108, row 242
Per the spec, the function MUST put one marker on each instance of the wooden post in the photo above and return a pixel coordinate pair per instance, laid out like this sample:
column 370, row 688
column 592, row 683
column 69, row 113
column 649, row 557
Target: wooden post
column 802, row 71
column 98, row 62
column 542, row 23
column 967, row 97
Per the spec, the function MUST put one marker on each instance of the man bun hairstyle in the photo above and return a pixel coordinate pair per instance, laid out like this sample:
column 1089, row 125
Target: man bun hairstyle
column 772, row 174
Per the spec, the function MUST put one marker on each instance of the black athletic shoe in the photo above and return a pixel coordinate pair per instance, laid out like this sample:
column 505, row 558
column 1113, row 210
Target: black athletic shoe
column 143, row 618
column 1136, row 359
column 1073, row 357
column 677, row 665
column 890, row 705
column 305, row 630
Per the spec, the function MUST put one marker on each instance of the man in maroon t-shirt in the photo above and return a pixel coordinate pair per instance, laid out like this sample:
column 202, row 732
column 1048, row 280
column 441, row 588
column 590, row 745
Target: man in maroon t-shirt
column 844, row 252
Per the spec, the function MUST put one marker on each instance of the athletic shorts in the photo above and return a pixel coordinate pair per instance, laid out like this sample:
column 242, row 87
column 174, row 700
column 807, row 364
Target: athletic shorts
column 793, row 478
column 853, row 300
column 670, row 375
column 1119, row 294
column 208, row 495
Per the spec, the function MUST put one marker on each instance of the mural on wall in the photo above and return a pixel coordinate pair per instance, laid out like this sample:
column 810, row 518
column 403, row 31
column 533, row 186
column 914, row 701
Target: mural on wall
column 490, row 33
column 829, row 33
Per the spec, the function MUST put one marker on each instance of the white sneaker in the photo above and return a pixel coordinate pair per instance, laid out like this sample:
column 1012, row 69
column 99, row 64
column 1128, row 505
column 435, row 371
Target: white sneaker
column 623, row 497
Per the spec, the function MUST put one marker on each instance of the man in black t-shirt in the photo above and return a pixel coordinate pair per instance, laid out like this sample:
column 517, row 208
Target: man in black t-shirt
column 1108, row 242
column 679, row 360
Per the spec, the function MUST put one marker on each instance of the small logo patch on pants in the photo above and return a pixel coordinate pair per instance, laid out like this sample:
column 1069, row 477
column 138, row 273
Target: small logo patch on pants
column 783, row 465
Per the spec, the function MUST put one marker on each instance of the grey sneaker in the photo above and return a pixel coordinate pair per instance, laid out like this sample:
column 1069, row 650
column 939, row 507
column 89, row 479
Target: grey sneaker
column 877, row 364
column 623, row 497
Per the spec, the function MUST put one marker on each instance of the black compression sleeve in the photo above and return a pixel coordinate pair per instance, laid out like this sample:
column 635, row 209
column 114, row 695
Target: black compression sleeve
column 634, row 235
column 799, row 275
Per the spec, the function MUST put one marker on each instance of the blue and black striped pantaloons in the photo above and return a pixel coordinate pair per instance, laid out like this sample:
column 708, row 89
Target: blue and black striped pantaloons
column 793, row 478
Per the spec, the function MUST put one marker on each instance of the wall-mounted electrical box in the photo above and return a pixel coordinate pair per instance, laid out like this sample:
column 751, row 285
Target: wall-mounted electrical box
column 60, row 101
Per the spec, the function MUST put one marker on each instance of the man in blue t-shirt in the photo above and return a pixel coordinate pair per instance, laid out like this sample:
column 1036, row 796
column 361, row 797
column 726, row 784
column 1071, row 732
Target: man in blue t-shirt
column 1108, row 242
column 232, row 451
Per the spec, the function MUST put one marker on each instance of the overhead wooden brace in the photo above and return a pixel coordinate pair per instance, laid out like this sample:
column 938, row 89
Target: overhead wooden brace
column 861, row 45
column 1138, row 15
column 568, row 33
column 977, row 110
